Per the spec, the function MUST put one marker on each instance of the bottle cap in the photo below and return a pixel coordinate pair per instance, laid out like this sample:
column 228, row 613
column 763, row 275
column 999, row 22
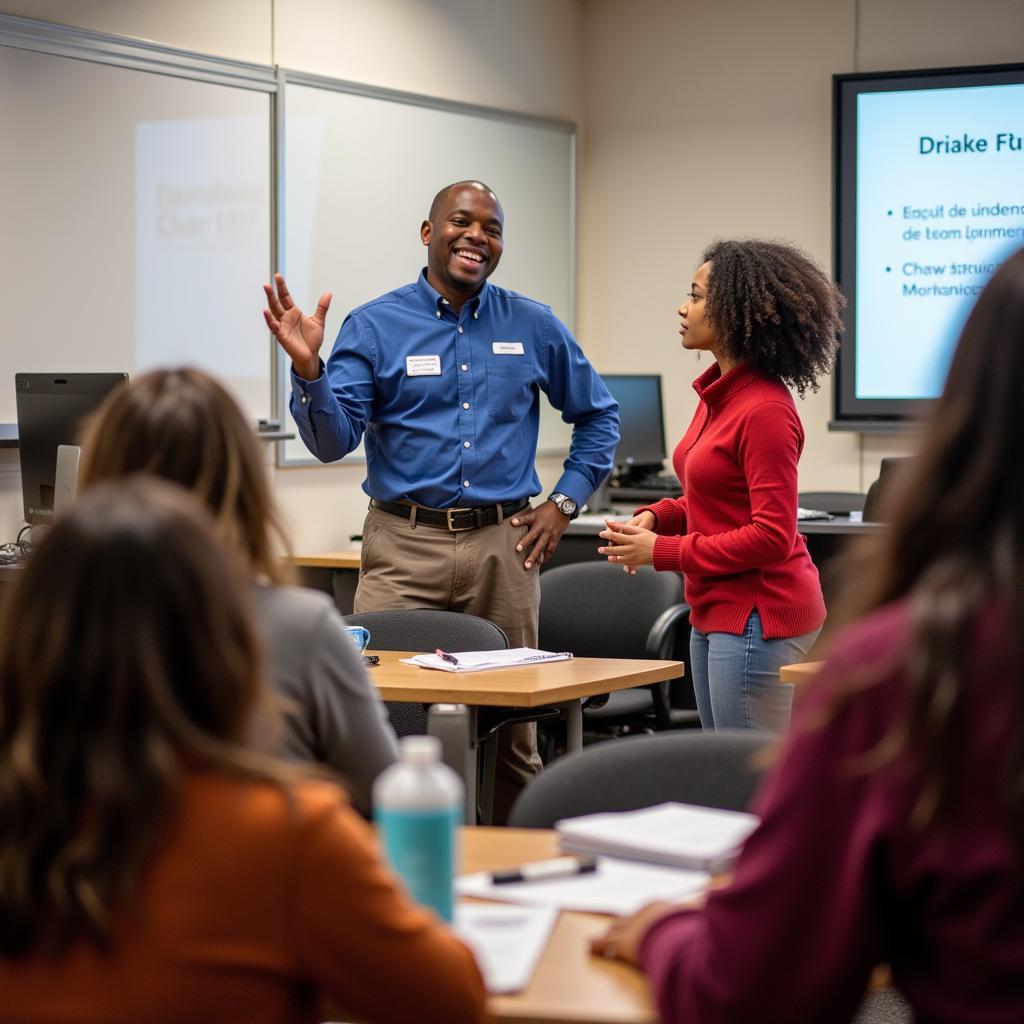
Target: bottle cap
column 420, row 749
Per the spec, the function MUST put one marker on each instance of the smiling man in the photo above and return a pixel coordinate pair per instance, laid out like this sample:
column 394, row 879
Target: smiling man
column 443, row 378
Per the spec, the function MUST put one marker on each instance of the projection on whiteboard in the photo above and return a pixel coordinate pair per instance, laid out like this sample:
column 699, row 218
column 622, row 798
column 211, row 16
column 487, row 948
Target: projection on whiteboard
column 200, row 212
column 937, row 195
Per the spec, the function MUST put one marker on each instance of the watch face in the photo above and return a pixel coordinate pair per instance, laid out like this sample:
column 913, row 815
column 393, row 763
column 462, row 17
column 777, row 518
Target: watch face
column 567, row 506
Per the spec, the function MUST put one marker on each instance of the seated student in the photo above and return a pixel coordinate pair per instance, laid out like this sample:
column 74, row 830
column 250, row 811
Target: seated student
column 893, row 826
column 153, row 865
column 182, row 425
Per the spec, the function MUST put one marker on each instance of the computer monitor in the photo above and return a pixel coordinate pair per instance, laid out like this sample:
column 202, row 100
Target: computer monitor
column 641, row 420
column 51, row 410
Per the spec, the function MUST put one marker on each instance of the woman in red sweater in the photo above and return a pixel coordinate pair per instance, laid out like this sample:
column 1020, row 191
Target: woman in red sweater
column 892, row 828
column 770, row 317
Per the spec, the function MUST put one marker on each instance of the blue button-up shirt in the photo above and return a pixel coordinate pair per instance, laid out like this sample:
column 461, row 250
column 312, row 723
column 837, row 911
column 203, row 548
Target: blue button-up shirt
column 449, row 403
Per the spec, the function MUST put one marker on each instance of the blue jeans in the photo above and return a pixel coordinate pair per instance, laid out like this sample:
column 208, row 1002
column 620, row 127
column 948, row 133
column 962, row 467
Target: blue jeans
column 736, row 678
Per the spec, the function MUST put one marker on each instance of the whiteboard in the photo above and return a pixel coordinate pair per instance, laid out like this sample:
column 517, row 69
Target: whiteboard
column 136, row 213
column 359, row 170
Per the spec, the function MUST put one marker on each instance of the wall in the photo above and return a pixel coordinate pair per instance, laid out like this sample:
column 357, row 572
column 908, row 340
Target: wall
column 710, row 120
column 522, row 55
column 697, row 120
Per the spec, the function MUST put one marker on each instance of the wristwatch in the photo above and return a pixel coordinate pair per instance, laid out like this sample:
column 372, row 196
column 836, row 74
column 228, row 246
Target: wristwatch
column 566, row 505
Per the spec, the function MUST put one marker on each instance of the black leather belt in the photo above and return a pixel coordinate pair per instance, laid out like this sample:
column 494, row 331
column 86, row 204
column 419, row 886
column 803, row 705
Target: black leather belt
column 452, row 519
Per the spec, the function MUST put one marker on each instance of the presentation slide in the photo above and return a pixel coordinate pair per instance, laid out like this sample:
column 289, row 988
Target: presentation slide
column 940, row 203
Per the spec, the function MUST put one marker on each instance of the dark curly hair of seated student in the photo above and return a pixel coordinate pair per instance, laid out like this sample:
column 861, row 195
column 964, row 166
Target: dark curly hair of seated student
column 129, row 657
column 774, row 308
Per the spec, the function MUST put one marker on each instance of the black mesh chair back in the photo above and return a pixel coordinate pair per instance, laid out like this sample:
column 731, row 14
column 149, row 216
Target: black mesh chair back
column 423, row 630
column 596, row 610
column 712, row 769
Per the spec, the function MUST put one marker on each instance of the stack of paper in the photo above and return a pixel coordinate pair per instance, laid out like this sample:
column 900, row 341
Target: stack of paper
column 479, row 661
column 681, row 835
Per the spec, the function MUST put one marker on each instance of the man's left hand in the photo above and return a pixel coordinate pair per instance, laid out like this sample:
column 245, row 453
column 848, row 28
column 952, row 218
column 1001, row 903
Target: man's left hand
column 547, row 525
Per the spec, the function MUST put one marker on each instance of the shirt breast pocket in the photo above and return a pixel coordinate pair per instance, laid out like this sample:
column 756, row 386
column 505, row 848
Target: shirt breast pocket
column 509, row 390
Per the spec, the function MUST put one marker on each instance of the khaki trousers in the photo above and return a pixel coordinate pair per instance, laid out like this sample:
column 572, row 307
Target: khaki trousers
column 474, row 571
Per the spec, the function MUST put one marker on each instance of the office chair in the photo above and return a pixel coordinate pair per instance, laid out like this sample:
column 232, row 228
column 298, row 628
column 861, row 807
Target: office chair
column 596, row 610
column 712, row 769
column 423, row 630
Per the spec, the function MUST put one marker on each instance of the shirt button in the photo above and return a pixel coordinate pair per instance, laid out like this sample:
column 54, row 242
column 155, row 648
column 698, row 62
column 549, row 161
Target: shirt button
column 460, row 330
column 304, row 399
column 465, row 405
column 445, row 302
column 439, row 314
column 465, row 366
column 465, row 483
column 465, row 444
column 476, row 316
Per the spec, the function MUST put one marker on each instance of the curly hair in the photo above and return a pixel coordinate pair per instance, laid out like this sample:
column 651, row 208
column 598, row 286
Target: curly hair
column 772, row 306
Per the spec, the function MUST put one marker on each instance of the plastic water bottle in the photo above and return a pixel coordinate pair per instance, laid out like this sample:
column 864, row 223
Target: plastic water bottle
column 418, row 805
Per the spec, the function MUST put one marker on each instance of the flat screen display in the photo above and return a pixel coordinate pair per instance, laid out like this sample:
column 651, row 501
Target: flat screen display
column 52, row 408
column 929, row 183
column 641, row 423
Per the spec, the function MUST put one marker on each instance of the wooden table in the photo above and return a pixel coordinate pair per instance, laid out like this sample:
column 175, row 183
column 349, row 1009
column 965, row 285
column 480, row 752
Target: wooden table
column 569, row 986
column 561, row 683
column 801, row 673
column 565, row 683
column 327, row 560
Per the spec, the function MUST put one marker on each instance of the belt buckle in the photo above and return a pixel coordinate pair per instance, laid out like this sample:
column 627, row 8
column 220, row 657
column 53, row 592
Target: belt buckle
column 449, row 512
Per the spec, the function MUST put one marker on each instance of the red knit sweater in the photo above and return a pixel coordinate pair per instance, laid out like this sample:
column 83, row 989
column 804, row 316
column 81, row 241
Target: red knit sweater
column 733, row 533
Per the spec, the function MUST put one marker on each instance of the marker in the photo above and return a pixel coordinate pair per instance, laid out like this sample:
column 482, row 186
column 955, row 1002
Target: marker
column 559, row 867
column 444, row 656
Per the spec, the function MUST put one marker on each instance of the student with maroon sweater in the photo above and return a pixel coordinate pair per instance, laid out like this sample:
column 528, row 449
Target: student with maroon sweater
column 770, row 317
column 892, row 828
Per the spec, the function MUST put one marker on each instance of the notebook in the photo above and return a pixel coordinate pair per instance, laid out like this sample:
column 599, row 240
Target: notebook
column 680, row 835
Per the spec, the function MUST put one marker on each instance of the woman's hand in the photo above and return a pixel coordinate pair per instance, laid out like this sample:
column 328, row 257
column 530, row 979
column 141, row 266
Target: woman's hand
column 629, row 544
column 622, row 940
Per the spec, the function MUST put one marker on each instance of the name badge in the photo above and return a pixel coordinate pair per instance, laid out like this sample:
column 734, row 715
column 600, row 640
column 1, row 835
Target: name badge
column 507, row 348
column 423, row 366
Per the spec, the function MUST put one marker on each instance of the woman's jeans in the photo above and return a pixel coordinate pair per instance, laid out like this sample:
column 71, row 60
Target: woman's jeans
column 736, row 678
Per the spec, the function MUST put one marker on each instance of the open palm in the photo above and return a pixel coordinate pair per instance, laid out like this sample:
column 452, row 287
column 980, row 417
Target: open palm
column 300, row 336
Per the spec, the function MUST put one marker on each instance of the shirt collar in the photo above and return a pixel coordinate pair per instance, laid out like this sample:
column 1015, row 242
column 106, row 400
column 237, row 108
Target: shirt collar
column 436, row 302
column 714, row 387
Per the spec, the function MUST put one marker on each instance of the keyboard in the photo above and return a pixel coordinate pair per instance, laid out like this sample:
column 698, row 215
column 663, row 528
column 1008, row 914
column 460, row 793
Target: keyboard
column 653, row 482
column 805, row 514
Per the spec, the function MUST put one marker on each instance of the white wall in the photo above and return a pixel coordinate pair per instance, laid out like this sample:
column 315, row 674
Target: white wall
column 710, row 120
column 521, row 55
column 697, row 120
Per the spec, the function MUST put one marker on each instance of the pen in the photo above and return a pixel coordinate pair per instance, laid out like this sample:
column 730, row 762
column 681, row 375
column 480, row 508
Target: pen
column 445, row 656
column 560, row 867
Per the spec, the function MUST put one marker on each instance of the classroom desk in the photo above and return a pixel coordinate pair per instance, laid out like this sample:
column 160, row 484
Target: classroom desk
column 337, row 571
column 569, row 986
column 328, row 560
column 799, row 673
column 561, row 683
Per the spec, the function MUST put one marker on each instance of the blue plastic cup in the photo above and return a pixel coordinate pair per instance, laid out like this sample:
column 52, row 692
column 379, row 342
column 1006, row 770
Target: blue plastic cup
column 360, row 637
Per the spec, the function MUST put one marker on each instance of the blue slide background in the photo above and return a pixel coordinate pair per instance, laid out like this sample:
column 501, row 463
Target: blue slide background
column 904, row 341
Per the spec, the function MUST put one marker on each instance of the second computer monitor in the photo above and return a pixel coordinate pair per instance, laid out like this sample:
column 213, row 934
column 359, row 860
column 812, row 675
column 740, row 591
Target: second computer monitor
column 641, row 419
column 51, row 410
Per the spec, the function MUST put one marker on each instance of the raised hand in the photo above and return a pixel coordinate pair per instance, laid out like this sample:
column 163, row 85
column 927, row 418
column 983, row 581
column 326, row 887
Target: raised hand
column 299, row 335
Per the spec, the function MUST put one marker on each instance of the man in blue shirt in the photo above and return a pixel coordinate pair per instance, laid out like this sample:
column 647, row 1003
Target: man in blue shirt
column 441, row 380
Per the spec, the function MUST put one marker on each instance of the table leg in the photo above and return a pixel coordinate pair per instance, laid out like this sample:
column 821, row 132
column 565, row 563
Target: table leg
column 455, row 726
column 573, row 726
